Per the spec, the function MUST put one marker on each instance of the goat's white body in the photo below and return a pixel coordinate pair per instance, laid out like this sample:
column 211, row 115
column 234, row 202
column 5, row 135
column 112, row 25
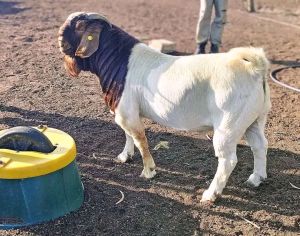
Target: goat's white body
column 189, row 92
column 225, row 91
column 172, row 95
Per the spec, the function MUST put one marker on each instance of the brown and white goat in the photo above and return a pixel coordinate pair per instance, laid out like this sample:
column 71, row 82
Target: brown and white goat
column 226, row 92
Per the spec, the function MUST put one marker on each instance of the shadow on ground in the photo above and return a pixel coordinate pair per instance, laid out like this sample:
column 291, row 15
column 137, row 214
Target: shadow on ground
column 169, row 204
column 10, row 8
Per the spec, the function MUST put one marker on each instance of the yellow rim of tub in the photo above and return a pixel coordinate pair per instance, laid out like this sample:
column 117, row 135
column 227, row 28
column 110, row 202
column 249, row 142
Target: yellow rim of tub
column 27, row 164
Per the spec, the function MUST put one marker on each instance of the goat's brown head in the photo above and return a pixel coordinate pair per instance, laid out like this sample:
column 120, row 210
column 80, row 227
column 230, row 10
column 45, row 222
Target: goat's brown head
column 79, row 37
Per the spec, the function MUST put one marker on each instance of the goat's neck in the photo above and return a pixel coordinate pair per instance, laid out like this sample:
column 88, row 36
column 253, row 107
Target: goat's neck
column 110, row 62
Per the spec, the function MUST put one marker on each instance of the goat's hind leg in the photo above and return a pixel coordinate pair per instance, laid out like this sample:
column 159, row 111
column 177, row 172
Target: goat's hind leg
column 255, row 137
column 225, row 150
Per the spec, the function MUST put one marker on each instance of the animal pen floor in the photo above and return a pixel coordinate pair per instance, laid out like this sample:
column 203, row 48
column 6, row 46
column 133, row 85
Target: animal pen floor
column 34, row 89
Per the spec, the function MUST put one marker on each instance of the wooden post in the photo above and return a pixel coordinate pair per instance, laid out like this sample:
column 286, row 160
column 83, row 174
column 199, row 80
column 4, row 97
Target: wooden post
column 251, row 5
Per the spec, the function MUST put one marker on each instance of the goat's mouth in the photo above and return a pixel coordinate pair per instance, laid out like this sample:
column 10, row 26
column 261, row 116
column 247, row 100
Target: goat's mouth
column 68, row 51
column 65, row 48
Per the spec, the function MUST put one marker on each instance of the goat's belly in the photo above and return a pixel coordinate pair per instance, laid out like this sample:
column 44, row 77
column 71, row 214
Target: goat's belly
column 186, row 126
column 185, row 117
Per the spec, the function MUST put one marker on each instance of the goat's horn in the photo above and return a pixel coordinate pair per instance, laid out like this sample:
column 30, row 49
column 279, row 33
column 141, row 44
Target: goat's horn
column 74, row 14
column 96, row 16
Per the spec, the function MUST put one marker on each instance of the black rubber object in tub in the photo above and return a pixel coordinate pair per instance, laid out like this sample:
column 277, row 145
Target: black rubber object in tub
column 23, row 138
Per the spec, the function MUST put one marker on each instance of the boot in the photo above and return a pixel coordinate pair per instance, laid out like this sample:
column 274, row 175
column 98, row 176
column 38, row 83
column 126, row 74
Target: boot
column 214, row 48
column 200, row 48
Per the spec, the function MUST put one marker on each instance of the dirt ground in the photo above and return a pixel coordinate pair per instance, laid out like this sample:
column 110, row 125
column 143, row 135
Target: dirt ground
column 34, row 89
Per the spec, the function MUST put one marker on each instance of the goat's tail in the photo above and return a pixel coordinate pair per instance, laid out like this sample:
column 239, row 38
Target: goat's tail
column 251, row 59
column 254, row 62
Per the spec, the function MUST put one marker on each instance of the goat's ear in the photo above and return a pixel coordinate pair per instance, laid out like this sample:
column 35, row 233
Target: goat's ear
column 90, row 41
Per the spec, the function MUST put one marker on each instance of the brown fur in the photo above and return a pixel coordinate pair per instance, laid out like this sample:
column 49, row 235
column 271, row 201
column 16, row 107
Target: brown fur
column 71, row 66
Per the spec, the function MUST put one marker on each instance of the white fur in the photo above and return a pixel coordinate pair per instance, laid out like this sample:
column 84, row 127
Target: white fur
column 220, row 91
column 128, row 150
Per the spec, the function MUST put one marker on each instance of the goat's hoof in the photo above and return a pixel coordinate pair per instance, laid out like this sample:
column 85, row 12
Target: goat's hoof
column 123, row 157
column 206, row 203
column 208, row 197
column 254, row 181
column 148, row 173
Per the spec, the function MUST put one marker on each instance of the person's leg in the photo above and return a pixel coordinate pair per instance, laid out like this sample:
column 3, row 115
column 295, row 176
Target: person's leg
column 203, row 25
column 218, row 24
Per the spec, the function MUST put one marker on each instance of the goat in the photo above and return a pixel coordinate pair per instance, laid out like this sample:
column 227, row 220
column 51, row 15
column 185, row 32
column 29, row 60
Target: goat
column 226, row 92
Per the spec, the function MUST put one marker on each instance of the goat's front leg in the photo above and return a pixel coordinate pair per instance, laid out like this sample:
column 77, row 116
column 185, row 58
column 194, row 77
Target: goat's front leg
column 141, row 143
column 135, row 129
column 128, row 150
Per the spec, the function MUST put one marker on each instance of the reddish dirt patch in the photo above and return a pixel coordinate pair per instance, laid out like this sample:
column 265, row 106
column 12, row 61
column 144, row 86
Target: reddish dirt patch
column 34, row 89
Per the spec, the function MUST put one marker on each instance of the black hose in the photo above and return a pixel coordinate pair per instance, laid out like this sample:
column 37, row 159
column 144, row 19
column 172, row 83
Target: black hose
column 273, row 77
